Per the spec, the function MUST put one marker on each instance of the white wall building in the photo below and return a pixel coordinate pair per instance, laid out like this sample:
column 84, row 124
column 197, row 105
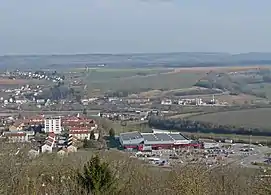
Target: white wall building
column 52, row 124
column 18, row 136
column 80, row 134
column 49, row 143
column 166, row 102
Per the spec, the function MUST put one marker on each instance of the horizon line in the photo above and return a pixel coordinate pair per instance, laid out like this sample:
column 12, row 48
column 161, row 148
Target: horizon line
column 129, row 53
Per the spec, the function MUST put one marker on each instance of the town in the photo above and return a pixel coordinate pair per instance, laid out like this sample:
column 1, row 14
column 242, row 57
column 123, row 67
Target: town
column 135, row 97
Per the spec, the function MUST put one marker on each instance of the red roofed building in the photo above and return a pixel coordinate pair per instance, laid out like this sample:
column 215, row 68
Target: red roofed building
column 49, row 143
column 70, row 120
column 18, row 136
column 37, row 120
column 80, row 133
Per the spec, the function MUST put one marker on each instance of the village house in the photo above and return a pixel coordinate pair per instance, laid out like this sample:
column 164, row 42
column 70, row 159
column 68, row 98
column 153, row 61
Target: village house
column 166, row 102
column 138, row 100
column 49, row 143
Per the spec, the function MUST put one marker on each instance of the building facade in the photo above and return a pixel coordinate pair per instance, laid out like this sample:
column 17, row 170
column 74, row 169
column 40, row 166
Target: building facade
column 19, row 136
column 49, row 143
column 52, row 124
column 154, row 141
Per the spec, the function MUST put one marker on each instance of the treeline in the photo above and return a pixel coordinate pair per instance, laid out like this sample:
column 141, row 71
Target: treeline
column 203, row 127
column 196, row 92
column 61, row 91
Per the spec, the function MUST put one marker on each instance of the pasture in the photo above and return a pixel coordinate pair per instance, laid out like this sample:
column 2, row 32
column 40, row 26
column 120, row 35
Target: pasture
column 250, row 118
column 160, row 81
column 219, row 69
column 106, row 74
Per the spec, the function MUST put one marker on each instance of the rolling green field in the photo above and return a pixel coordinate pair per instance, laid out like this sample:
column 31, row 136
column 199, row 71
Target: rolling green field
column 106, row 74
column 164, row 81
column 262, row 88
column 251, row 118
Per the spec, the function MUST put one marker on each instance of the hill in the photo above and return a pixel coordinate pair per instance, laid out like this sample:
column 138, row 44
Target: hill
column 181, row 59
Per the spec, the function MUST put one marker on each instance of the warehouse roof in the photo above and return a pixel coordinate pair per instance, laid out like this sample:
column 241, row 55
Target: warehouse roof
column 149, row 137
column 153, row 137
column 177, row 136
column 168, row 137
column 131, row 135
column 163, row 137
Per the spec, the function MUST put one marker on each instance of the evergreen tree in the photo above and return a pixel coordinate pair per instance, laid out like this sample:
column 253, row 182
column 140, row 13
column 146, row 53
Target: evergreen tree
column 96, row 177
column 84, row 111
column 92, row 135
column 112, row 133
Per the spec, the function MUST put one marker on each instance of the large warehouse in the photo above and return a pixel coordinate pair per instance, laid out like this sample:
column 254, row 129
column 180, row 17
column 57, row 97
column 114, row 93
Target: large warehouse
column 154, row 141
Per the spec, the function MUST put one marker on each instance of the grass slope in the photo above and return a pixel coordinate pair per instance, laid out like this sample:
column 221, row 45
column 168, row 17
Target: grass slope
column 252, row 118
column 157, row 81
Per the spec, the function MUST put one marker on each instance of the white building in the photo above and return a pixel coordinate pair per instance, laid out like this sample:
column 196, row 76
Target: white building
column 52, row 124
column 199, row 101
column 80, row 133
column 18, row 136
column 49, row 143
column 166, row 102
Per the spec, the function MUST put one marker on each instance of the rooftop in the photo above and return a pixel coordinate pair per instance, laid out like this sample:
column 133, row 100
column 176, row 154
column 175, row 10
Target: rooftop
column 177, row 136
column 168, row 137
column 131, row 135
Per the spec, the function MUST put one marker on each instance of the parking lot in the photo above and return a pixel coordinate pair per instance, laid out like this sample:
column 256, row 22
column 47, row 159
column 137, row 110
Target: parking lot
column 238, row 154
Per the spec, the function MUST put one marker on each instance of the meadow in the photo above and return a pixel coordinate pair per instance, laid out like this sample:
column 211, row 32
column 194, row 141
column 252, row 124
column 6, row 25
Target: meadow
column 106, row 74
column 251, row 118
column 164, row 81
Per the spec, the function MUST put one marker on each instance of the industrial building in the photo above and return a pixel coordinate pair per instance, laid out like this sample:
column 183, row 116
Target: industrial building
column 154, row 141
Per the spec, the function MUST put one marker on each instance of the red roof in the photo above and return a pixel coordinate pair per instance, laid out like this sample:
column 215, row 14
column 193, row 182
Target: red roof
column 36, row 118
column 51, row 134
column 80, row 132
column 50, row 139
column 76, row 119
column 76, row 128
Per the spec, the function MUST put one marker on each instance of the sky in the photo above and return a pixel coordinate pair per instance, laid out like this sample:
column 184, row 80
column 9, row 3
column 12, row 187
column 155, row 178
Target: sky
column 134, row 26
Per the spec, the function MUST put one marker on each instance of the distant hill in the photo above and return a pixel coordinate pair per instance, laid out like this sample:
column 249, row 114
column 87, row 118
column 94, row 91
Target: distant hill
column 181, row 59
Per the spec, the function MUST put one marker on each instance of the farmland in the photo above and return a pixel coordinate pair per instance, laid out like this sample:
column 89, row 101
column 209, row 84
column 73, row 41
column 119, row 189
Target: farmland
column 252, row 118
column 261, row 88
column 164, row 81
column 107, row 74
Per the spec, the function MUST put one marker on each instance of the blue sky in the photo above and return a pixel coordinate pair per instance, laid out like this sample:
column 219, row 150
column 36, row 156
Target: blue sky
column 124, row 26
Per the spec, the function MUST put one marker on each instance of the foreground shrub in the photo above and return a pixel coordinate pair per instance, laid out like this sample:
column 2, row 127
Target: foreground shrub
column 96, row 177
column 113, row 172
